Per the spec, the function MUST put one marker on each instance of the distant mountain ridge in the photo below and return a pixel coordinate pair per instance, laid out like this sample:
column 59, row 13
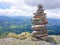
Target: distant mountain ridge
column 20, row 24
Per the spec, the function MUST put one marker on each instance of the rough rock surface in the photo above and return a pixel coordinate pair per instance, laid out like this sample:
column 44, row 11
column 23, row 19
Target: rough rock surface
column 14, row 41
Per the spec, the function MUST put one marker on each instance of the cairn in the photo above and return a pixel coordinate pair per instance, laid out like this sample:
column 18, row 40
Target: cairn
column 39, row 22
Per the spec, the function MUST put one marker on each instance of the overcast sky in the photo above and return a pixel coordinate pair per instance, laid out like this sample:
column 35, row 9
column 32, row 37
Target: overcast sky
column 28, row 7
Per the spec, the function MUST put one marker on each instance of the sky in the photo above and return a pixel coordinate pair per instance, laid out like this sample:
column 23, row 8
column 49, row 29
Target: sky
column 28, row 7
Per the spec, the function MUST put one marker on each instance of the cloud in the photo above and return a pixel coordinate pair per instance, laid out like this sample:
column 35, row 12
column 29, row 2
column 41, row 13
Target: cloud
column 32, row 2
column 28, row 7
column 48, row 4
column 51, row 4
column 17, row 7
column 53, row 13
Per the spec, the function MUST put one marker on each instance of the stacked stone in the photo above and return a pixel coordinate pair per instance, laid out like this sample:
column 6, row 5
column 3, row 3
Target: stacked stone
column 39, row 22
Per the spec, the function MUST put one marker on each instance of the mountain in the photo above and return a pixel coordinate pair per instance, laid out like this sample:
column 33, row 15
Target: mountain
column 54, row 24
column 20, row 24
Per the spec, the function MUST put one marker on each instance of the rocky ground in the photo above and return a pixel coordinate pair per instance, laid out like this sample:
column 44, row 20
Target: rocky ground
column 14, row 41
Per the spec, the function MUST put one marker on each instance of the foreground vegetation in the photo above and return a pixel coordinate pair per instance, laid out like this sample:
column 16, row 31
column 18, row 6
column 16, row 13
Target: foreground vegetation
column 24, row 38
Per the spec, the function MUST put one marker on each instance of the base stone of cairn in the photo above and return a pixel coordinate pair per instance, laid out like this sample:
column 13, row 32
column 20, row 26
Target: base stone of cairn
column 39, row 22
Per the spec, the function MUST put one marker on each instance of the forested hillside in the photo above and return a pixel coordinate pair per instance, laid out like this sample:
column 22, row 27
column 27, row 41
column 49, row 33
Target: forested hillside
column 20, row 24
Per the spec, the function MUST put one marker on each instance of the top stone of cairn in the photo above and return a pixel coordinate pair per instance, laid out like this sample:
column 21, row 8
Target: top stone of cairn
column 40, row 6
